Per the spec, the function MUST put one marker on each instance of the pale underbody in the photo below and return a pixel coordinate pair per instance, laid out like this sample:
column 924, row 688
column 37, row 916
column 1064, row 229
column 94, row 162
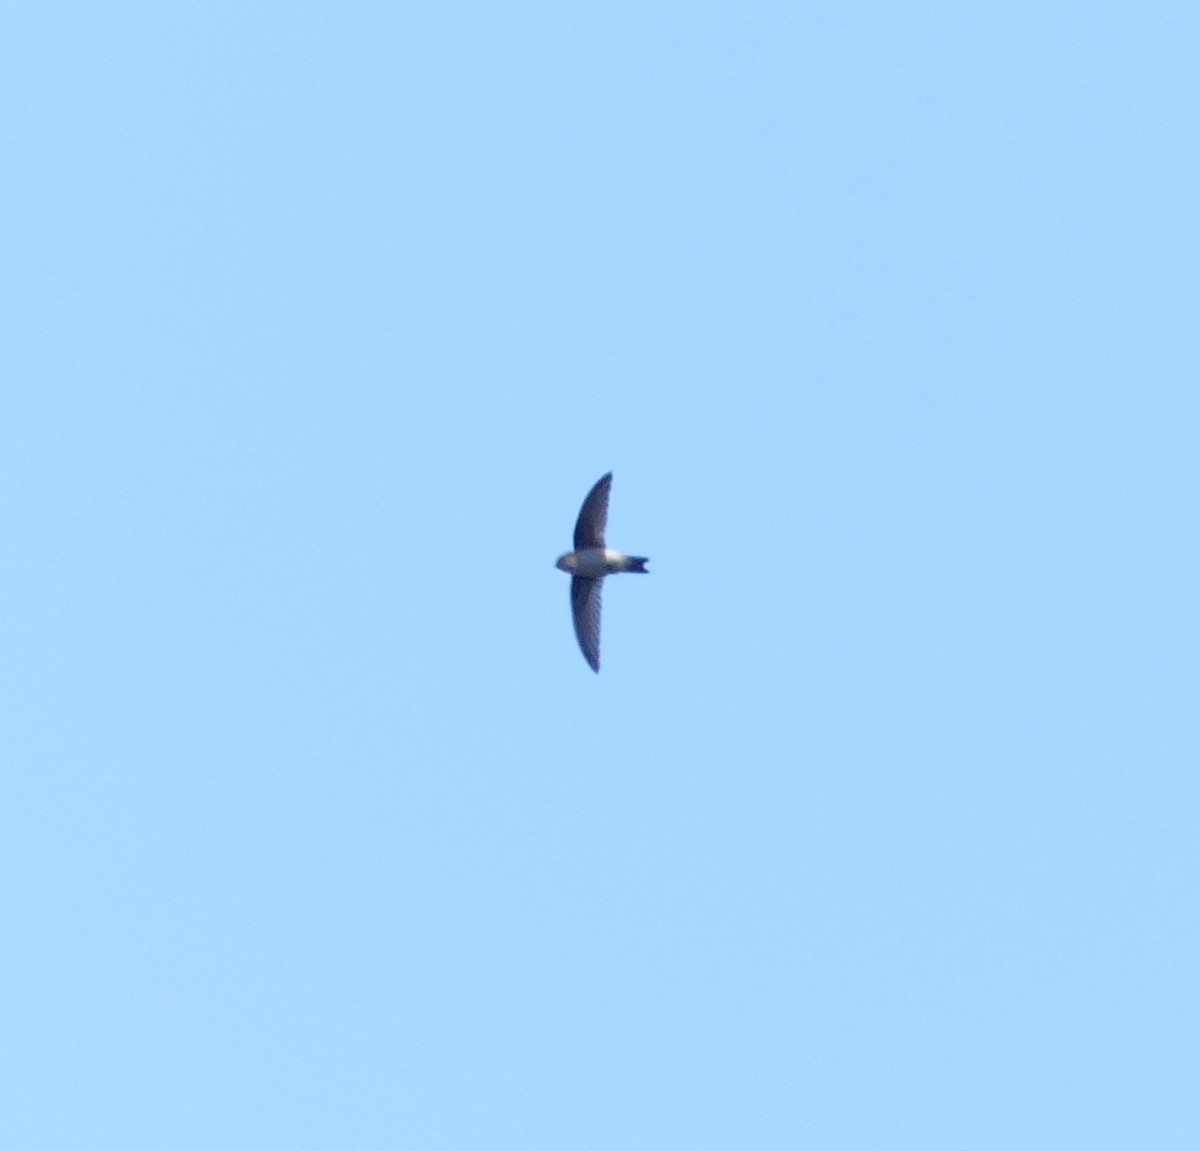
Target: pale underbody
column 592, row 563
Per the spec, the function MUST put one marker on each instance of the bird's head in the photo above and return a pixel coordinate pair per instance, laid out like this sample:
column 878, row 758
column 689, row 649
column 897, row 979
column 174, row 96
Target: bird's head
column 565, row 562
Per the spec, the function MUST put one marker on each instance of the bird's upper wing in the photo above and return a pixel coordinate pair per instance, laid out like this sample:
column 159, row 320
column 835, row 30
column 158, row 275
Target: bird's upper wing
column 585, row 611
column 589, row 528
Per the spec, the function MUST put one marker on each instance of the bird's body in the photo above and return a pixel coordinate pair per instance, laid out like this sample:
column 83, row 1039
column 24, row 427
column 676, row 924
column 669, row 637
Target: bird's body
column 589, row 564
column 596, row 563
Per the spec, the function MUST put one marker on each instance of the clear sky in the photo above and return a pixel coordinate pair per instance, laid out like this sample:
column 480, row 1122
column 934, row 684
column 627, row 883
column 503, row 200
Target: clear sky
column 881, row 825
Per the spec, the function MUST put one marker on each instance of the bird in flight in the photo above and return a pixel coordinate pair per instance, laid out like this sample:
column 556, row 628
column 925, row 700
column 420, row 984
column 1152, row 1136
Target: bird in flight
column 588, row 564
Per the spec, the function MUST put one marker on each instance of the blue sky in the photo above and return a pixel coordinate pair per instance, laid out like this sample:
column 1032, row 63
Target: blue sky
column 879, row 827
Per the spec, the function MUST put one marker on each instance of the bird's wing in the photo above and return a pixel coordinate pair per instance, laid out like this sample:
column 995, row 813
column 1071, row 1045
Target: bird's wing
column 593, row 516
column 585, row 611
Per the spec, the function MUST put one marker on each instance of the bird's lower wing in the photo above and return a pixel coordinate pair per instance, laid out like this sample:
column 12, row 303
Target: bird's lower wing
column 585, row 611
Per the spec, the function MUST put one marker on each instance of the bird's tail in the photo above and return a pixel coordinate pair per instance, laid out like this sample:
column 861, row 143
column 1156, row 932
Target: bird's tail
column 638, row 564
